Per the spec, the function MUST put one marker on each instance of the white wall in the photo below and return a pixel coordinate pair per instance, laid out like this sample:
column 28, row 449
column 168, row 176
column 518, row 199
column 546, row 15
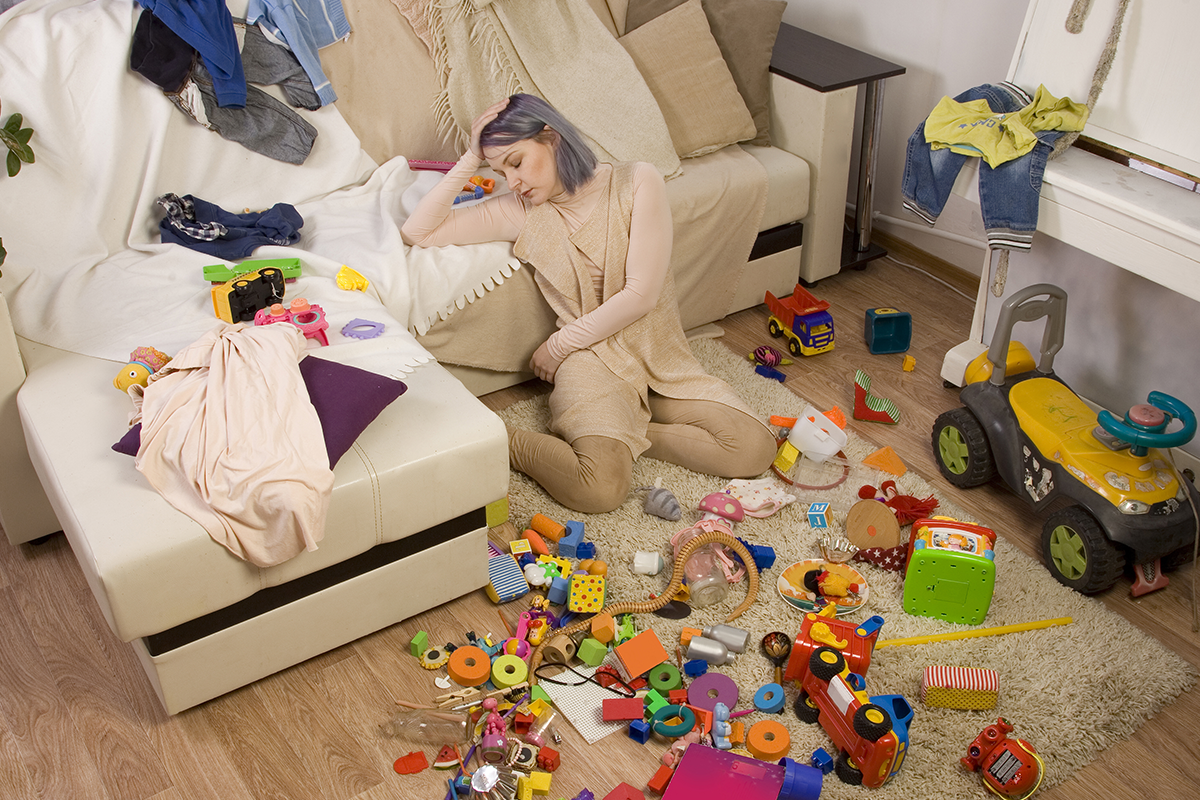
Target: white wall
column 1125, row 336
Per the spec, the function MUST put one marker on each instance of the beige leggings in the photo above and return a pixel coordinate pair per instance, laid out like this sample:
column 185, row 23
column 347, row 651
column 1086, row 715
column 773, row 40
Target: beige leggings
column 594, row 474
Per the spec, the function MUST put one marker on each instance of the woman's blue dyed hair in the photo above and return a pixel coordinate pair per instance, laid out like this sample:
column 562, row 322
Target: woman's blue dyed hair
column 526, row 117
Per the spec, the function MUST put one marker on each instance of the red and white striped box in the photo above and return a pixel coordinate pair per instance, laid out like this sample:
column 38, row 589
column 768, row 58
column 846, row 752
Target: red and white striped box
column 964, row 688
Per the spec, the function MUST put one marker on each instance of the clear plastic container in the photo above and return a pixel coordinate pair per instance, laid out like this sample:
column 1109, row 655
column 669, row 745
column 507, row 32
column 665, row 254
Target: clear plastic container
column 706, row 580
column 542, row 730
column 428, row 725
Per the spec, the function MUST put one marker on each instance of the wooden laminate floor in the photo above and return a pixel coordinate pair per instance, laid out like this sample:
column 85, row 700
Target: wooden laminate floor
column 78, row 718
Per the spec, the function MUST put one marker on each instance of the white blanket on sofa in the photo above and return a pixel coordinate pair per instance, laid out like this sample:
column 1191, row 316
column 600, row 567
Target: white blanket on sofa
column 86, row 271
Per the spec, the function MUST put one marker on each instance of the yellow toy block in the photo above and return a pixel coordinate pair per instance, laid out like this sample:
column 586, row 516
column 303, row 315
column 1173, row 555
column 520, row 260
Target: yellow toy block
column 785, row 459
column 586, row 595
column 536, row 783
column 563, row 564
column 496, row 512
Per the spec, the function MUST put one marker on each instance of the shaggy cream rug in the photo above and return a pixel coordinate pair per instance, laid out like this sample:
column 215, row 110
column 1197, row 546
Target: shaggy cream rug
column 1071, row 691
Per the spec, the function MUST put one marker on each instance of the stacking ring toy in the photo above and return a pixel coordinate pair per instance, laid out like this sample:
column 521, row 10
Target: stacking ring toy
column 770, row 698
column 712, row 688
column 687, row 717
column 509, row 670
column 470, row 666
column 665, row 677
column 768, row 740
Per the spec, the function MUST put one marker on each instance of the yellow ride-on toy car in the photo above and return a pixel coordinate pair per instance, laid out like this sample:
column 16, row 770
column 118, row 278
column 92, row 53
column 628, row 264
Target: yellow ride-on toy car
column 1131, row 506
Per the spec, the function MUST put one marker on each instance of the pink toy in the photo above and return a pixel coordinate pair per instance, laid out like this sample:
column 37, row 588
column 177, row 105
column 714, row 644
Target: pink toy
column 493, row 744
column 309, row 318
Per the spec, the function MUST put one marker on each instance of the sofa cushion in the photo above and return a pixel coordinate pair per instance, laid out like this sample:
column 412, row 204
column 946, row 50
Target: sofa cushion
column 347, row 400
column 687, row 75
column 788, row 179
column 745, row 30
column 428, row 459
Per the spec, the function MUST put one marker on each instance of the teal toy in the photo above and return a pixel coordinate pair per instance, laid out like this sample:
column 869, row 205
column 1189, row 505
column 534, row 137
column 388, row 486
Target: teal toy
column 888, row 330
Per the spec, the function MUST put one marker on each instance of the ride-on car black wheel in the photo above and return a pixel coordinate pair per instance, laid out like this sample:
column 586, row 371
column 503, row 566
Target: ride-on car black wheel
column 961, row 448
column 1078, row 554
column 847, row 771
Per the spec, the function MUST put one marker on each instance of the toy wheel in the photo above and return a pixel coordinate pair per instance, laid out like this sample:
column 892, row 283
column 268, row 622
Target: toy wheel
column 847, row 771
column 804, row 708
column 962, row 450
column 1077, row 552
column 794, row 347
column 825, row 662
column 774, row 328
column 871, row 722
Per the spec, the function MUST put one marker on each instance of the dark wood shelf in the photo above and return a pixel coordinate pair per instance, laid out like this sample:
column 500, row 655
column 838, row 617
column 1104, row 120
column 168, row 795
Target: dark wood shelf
column 823, row 64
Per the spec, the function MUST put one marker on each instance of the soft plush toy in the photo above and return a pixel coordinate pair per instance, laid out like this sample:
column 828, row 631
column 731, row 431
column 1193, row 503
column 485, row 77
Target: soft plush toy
column 143, row 362
column 906, row 507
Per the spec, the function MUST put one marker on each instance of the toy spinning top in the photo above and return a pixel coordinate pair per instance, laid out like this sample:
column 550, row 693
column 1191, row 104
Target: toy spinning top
column 777, row 646
column 836, row 548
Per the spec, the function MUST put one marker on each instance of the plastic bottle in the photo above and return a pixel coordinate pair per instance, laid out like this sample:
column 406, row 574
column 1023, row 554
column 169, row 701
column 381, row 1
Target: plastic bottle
column 705, row 580
column 428, row 725
column 733, row 638
column 542, row 729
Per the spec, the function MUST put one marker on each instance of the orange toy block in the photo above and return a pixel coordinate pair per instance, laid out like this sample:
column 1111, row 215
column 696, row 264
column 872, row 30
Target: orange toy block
column 737, row 733
column 658, row 784
column 886, row 460
column 547, row 527
column 641, row 653
column 604, row 627
column 703, row 719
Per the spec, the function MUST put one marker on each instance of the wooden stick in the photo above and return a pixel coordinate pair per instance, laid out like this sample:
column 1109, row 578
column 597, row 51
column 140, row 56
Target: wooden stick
column 945, row 637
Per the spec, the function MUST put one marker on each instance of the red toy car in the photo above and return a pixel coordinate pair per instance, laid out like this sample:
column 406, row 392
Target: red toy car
column 870, row 750
column 856, row 643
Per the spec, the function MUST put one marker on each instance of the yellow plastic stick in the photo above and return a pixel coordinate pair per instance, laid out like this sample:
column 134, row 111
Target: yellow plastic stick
column 945, row 637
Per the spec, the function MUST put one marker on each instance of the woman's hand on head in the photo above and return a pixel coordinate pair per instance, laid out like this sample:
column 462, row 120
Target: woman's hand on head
column 489, row 114
column 544, row 364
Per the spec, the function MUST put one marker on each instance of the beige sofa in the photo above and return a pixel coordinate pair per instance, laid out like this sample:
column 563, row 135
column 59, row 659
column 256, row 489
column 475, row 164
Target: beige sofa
column 408, row 514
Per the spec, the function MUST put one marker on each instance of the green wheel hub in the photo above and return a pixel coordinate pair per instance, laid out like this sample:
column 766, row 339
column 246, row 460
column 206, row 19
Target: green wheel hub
column 1068, row 551
column 953, row 450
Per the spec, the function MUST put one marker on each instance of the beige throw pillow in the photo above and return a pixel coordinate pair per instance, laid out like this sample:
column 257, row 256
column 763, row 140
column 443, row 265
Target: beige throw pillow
column 687, row 75
column 745, row 31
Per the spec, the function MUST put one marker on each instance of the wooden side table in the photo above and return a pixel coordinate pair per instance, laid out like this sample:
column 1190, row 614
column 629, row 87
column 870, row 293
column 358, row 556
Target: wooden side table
column 836, row 71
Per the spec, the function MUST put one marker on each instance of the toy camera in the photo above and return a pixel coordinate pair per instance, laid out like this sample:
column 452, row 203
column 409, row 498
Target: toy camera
column 1010, row 767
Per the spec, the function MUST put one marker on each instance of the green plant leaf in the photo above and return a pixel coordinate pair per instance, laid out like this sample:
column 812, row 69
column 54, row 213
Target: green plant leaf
column 14, row 123
column 14, row 164
column 25, row 134
column 3, row 253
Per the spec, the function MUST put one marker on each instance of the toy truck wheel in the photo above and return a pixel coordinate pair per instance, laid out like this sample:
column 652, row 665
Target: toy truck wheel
column 805, row 710
column 774, row 328
column 962, row 450
column 1077, row 552
column 871, row 722
column 846, row 770
column 825, row 662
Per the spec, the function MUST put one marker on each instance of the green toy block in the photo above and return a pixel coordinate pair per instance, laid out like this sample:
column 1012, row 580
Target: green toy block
column 654, row 701
column 419, row 644
column 591, row 652
column 496, row 512
column 538, row 693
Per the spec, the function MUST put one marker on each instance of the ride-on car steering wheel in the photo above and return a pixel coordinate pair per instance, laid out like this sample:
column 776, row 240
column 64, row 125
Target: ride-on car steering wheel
column 1144, row 425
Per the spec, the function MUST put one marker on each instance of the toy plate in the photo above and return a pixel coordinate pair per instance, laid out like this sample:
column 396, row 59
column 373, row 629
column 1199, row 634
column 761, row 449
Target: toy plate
column 792, row 590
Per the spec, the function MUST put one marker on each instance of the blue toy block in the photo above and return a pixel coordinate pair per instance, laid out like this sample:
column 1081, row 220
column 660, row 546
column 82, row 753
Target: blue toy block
column 560, row 588
column 818, row 515
column 585, row 550
column 639, row 731
column 822, row 760
column 695, row 668
column 770, row 372
column 764, row 556
column 887, row 330
column 568, row 545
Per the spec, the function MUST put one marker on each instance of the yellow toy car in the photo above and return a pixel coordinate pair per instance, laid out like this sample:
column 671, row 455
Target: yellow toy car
column 1026, row 425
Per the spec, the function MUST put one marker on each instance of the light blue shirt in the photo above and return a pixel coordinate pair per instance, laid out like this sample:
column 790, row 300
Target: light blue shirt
column 305, row 26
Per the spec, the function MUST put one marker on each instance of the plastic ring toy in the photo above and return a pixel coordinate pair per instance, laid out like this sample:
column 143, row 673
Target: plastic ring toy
column 687, row 717
column 768, row 740
column 770, row 698
column 434, row 657
column 665, row 677
column 712, row 688
column 470, row 666
column 362, row 329
column 508, row 671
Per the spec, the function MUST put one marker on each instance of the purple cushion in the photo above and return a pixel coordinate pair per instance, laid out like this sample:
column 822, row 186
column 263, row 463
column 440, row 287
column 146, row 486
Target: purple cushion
column 347, row 400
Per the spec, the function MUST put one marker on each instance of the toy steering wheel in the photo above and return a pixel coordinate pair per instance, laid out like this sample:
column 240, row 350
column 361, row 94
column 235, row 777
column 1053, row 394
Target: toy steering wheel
column 1144, row 425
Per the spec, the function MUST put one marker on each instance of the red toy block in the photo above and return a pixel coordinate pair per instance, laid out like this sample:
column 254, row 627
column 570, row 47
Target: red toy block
column 624, row 791
column 521, row 722
column 547, row 759
column 641, row 654
column 678, row 696
column 658, row 784
column 622, row 708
